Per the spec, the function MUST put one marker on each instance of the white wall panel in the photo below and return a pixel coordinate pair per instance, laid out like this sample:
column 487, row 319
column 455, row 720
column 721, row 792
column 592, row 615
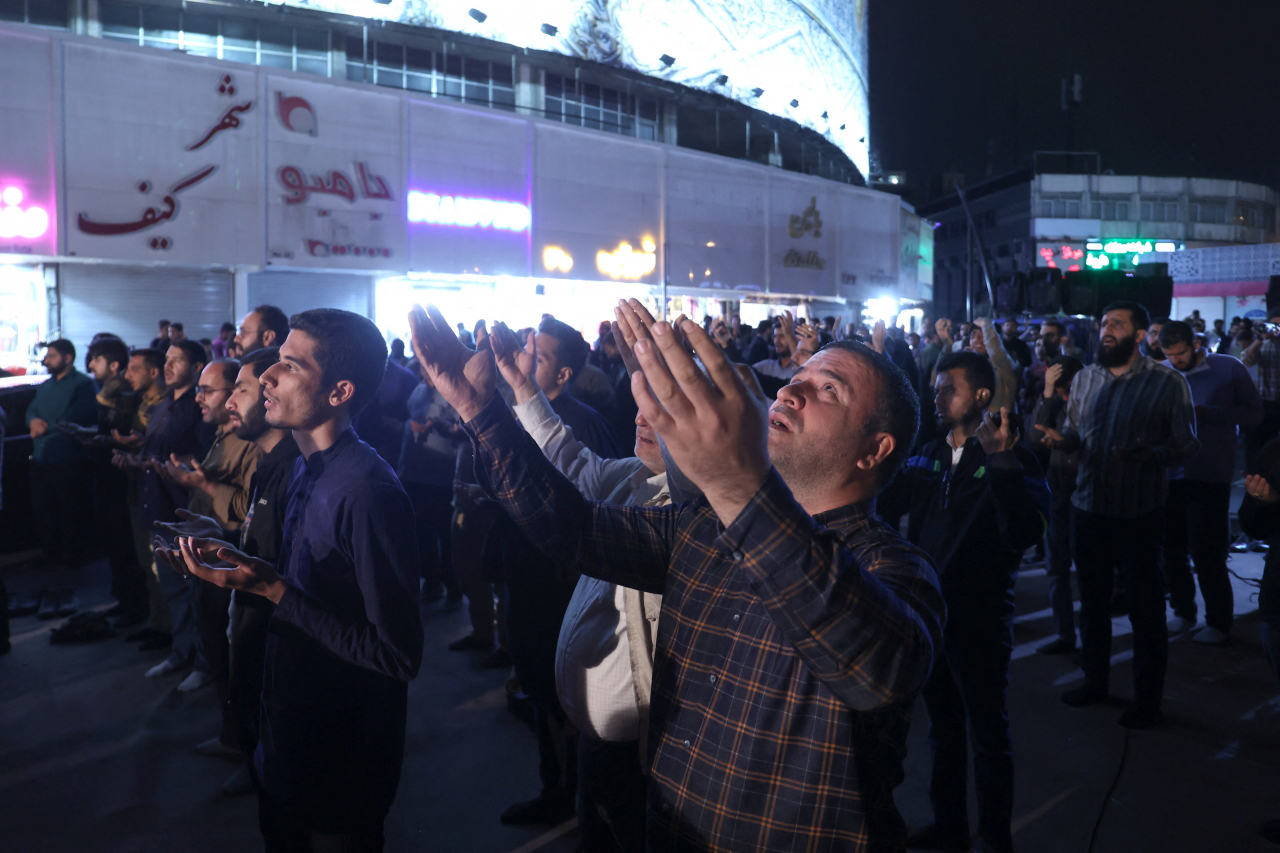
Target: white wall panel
column 293, row 292
column 28, row 203
column 715, row 223
column 163, row 158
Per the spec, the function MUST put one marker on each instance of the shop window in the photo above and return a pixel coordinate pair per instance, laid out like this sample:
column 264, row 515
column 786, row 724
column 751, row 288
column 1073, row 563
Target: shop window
column 39, row 13
column 600, row 107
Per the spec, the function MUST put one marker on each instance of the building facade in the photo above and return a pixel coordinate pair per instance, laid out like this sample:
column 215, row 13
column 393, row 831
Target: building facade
column 1026, row 221
column 192, row 160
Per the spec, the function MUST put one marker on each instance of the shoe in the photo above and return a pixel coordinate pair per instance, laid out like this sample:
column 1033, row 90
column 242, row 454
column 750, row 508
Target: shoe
column 1241, row 545
column 1180, row 625
column 1270, row 831
column 67, row 601
column 165, row 667
column 470, row 642
column 1211, row 636
column 195, row 681
column 546, row 810
column 157, row 642
column 82, row 628
column 1089, row 694
column 1060, row 646
column 215, row 748
column 144, row 634
column 48, row 604
column 932, row 837
column 1258, row 547
column 239, row 784
column 1141, row 717
column 500, row 659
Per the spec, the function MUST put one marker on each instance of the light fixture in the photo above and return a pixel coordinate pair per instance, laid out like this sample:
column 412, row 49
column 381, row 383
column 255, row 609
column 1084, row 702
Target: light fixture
column 863, row 139
column 710, row 245
column 842, row 127
column 626, row 262
column 667, row 59
column 824, row 114
column 757, row 92
column 554, row 258
column 1166, row 247
column 708, row 272
column 722, row 79
column 16, row 221
column 549, row 29
column 794, row 103
column 478, row 15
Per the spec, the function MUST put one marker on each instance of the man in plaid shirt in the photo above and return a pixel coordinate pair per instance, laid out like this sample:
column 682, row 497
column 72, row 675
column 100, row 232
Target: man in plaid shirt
column 795, row 626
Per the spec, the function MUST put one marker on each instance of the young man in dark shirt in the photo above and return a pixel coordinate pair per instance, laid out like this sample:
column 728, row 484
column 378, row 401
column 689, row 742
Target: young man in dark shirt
column 346, row 636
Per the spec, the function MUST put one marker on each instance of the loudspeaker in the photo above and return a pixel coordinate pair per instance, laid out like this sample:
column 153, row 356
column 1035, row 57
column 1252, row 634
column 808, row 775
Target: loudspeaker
column 1009, row 295
column 1089, row 292
column 1044, row 291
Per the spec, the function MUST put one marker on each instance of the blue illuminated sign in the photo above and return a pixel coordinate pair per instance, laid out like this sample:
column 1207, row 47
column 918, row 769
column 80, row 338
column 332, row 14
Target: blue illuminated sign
column 434, row 209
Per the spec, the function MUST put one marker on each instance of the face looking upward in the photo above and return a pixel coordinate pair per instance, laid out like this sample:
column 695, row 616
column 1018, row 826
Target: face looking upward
column 647, row 449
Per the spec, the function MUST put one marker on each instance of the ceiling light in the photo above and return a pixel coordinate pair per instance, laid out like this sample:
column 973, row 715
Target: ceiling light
column 824, row 114
column 794, row 103
column 667, row 60
column 722, row 79
column 757, row 92
column 842, row 127
column 711, row 245
column 549, row 29
column 863, row 139
column 478, row 15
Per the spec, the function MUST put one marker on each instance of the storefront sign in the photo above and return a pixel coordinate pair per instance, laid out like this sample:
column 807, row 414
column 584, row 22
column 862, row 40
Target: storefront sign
column 29, row 223
column 1063, row 256
column 462, row 212
column 625, row 262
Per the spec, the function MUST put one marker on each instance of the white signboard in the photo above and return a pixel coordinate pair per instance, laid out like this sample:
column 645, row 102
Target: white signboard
column 870, row 243
column 163, row 158
column 715, row 223
column 336, row 195
column 468, row 206
column 804, row 227
column 28, row 209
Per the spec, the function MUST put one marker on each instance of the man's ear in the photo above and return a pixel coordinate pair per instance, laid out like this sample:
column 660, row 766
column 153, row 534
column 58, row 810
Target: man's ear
column 983, row 396
column 877, row 449
column 268, row 337
column 1140, row 335
column 564, row 376
column 342, row 392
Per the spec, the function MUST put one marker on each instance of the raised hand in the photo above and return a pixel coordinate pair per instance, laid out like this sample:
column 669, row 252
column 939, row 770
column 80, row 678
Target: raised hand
column 807, row 343
column 1052, row 438
column 167, row 552
column 517, row 363
column 943, row 329
column 788, row 323
column 720, row 332
column 996, row 433
column 698, row 415
column 1051, row 377
column 246, row 573
column 192, row 524
column 878, row 333
column 632, row 323
column 466, row 379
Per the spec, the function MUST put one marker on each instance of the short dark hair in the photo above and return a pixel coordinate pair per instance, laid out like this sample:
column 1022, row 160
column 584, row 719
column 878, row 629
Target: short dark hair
column 150, row 356
column 764, row 326
column 898, row 412
column 1137, row 312
column 260, row 360
column 573, row 350
column 275, row 320
column 1159, row 321
column 177, row 326
column 63, row 346
column 1070, row 367
column 1177, row 332
column 1057, row 324
column 164, row 322
column 112, row 349
column 230, row 369
column 978, row 370
column 194, row 352
column 348, row 346
column 228, row 327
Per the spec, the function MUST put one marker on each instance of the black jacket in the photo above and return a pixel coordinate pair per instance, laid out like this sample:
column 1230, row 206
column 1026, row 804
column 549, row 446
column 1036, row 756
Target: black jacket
column 978, row 519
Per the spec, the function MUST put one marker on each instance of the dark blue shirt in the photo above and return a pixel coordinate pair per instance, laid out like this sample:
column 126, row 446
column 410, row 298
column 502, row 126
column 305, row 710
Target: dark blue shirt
column 344, row 641
column 175, row 427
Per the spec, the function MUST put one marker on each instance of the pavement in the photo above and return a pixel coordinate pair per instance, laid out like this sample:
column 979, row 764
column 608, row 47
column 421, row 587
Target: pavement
column 95, row 757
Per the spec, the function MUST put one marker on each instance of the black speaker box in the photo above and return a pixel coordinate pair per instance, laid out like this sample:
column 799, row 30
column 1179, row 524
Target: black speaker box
column 1009, row 295
column 1044, row 291
column 1088, row 292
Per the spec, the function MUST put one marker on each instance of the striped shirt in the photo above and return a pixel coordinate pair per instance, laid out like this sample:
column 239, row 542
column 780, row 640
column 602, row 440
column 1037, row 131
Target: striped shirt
column 1147, row 406
column 788, row 650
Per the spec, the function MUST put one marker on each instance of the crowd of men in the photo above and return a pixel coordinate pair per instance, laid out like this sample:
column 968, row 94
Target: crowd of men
column 720, row 560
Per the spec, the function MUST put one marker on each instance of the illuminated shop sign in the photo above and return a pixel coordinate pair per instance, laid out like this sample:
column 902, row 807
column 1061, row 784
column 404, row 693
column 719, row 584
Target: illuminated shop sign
column 1119, row 254
column 626, row 262
column 28, row 222
column 433, row 209
column 554, row 258
column 1063, row 256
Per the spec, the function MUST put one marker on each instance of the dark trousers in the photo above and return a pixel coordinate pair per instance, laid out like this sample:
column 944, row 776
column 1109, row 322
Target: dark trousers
column 115, row 531
column 611, row 796
column 285, row 833
column 966, row 700
column 211, row 605
column 1102, row 545
column 1197, row 525
column 1062, row 485
column 62, row 500
column 1256, row 437
column 433, row 515
column 248, row 650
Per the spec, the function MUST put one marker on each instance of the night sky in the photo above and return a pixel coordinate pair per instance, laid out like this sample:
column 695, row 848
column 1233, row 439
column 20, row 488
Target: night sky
column 1170, row 89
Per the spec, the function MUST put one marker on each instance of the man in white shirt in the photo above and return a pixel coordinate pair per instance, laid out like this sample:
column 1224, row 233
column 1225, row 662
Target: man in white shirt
column 604, row 657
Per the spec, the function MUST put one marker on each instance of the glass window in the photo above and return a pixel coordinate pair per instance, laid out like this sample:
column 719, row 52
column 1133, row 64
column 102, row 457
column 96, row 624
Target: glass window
column 240, row 34
column 161, row 26
column 118, row 20
column 504, row 99
column 389, row 55
column 312, row 65
column 553, row 85
column 500, row 72
column 313, row 40
column 237, row 54
column 16, row 10
column 47, row 13
column 422, row 61
column 276, row 38
column 476, row 71
column 418, row 82
column 276, row 60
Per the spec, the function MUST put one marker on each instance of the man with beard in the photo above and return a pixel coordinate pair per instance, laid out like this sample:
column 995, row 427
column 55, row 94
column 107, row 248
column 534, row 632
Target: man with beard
column 1198, row 522
column 264, row 326
column 1150, row 346
column 1048, row 347
column 1131, row 418
column 796, row 626
column 978, row 500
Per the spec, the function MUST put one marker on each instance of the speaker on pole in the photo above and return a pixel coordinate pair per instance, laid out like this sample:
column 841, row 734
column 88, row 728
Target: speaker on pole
column 1044, row 291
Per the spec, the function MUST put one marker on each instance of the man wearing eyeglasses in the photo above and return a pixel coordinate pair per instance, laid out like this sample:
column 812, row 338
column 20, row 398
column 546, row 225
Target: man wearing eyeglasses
column 219, row 488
